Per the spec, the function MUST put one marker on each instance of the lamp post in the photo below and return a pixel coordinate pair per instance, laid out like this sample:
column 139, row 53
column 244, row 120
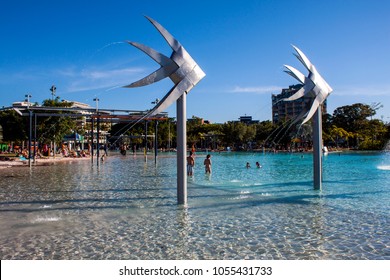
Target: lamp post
column 97, row 104
column 92, row 128
column 155, row 134
column 28, row 96
column 35, row 137
column 97, row 130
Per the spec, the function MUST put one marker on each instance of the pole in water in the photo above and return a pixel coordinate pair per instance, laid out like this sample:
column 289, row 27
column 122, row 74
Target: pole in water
column 155, row 142
column 181, row 149
column 317, row 149
column 28, row 96
column 97, row 140
column 315, row 87
column 92, row 128
column 35, row 137
column 146, row 140
column 185, row 73
column 29, row 138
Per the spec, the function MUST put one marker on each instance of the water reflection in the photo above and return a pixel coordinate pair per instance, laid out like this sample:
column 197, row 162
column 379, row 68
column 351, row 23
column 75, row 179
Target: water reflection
column 126, row 209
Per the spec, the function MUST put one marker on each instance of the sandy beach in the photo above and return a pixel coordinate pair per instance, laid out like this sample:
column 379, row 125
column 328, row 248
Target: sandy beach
column 40, row 161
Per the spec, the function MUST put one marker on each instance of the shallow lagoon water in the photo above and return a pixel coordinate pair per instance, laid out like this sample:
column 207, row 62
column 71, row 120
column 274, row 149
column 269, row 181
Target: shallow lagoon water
column 126, row 209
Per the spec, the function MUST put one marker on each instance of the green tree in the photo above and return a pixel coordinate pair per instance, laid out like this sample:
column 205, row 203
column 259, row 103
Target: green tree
column 234, row 134
column 166, row 133
column 373, row 135
column 339, row 135
column 352, row 117
column 249, row 135
column 263, row 130
column 54, row 128
column 14, row 126
column 203, row 135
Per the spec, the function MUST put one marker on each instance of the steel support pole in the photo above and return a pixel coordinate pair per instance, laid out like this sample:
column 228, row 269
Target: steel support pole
column 29, row 137
column 317, row 149
column 181, row 149
column 54, row 147
column 35, row 137
column 97, row 140
column 155, row 142
column 146, row 141
column 92, row 128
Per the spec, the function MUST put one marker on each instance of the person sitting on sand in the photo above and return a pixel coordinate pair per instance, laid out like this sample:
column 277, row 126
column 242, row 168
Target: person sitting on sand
column 25, row 153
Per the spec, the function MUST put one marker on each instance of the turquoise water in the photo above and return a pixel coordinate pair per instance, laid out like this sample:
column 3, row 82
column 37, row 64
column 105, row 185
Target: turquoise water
column 126, row 209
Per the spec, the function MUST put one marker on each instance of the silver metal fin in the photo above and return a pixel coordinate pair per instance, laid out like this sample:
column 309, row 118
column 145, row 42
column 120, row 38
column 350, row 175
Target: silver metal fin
column 175, row 45
column 155, row 55
column 181, row 88
column 312, row 110
column 303, row 59
column 300, row 116
column 301, row 92
column 295, row 73
column 156, row 76
column 168, row 66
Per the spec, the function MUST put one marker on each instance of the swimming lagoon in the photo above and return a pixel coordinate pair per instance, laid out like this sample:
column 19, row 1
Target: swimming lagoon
column 126, row 208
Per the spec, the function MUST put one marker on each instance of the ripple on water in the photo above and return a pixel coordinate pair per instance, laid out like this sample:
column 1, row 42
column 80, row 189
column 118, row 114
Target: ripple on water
column 126, row 209
column 383, row 167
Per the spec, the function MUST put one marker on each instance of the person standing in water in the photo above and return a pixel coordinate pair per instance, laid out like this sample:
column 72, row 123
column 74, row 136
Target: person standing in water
column 190, row 164
column 207, row 164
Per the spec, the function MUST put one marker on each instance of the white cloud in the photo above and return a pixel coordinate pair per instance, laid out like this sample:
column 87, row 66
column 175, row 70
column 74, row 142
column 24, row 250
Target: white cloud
column 376, row 90
column 94, row 79
column 75, row 79
column 366, row 90
column 257, row 90
column 110, row 74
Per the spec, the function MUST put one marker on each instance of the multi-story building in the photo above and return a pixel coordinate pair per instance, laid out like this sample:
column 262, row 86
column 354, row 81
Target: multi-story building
column 287, row 110
column 248, row 120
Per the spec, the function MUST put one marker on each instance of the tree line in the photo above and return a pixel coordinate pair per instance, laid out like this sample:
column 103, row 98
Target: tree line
column 350, row 126
column 52, row 128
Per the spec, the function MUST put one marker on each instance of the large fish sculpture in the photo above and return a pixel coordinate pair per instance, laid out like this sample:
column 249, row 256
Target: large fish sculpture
column 314, row 86
column 180, row 67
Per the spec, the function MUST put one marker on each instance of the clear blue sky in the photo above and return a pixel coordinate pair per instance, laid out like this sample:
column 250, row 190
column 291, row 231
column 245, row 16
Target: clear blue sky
column 241, row 45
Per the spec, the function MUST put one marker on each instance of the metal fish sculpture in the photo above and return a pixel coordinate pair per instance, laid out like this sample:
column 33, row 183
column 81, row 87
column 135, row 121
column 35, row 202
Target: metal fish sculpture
column 314, row 85
column 180, row 67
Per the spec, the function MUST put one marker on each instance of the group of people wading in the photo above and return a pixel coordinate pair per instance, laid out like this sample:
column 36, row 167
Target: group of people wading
column 191, row 164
